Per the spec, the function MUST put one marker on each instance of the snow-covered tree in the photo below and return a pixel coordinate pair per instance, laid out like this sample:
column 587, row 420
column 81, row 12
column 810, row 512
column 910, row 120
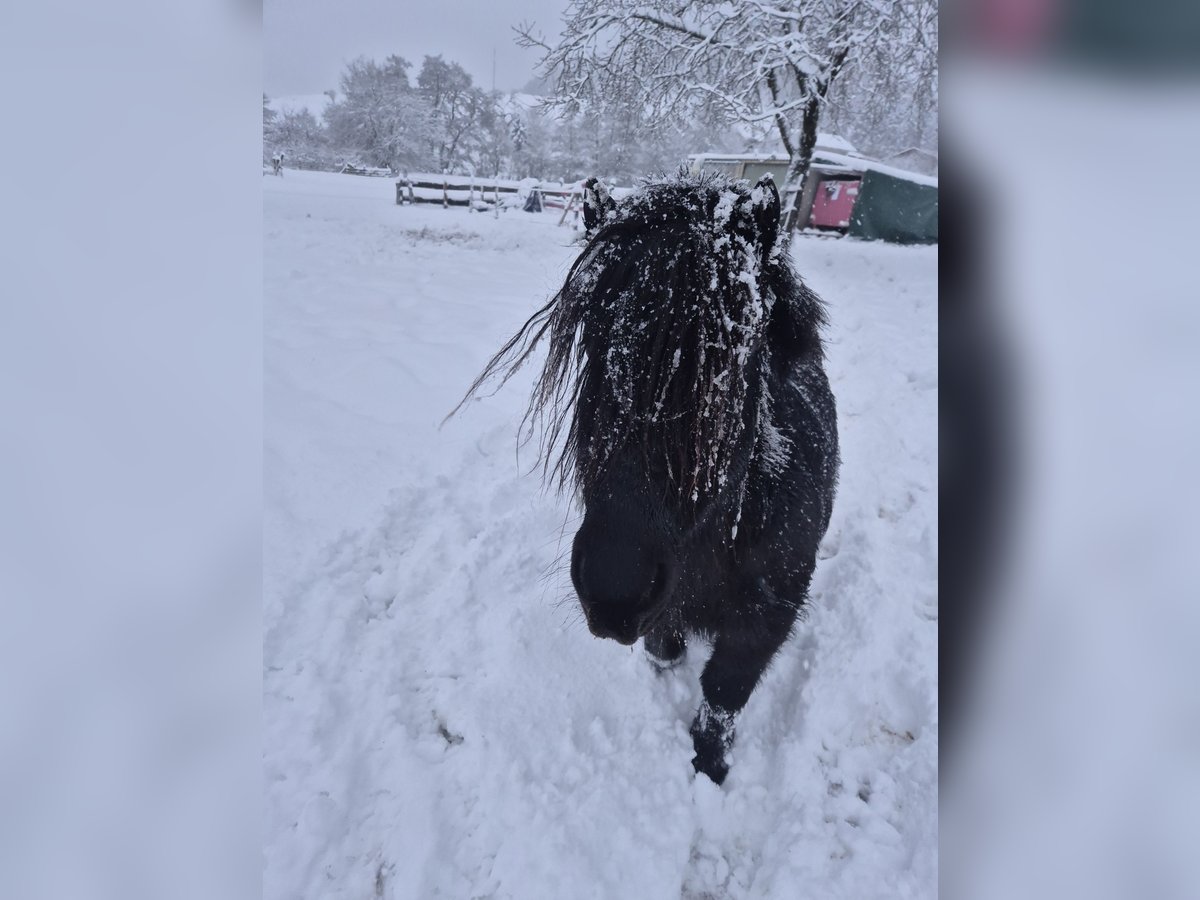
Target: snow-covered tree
column 516, row 131
column 297, row 133
column 532, row 158
column 379, row 114
column 460, row 111
column 886, row 100
column 496, row 146
column 441, row 121
column 754, row 62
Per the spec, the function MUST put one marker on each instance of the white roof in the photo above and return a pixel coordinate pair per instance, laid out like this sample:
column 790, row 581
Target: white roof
column 862, row 164
column 825, row 143
column 841, row 161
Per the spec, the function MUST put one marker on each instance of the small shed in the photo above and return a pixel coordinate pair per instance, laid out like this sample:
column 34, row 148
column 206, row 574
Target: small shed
column 847, row 193
column 895, row 209
column 893, row 204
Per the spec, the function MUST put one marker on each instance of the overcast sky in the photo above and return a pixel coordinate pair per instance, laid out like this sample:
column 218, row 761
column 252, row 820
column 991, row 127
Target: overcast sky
column 306, row 43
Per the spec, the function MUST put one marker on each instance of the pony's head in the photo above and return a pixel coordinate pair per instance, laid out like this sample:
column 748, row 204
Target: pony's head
column 654, row 380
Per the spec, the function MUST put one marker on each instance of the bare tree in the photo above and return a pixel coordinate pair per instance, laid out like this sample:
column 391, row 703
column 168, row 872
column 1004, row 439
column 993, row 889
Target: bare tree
column 756, row 62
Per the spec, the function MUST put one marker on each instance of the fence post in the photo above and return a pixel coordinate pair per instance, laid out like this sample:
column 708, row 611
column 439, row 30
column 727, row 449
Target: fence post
column 568, row 205
column 445, row 193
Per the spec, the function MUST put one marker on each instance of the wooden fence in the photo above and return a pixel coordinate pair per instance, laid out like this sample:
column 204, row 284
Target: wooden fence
column 478, row 193
column 370, row 171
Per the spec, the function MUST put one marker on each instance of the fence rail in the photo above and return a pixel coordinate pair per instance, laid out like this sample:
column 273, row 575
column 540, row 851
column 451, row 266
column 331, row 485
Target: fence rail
column 370, row 171
column 457, row 190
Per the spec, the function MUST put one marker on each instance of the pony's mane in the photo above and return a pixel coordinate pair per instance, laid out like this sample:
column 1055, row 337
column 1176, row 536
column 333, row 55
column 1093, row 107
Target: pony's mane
column 660, row 314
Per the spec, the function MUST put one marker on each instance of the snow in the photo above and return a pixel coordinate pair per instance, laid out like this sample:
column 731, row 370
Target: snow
column 437, row 719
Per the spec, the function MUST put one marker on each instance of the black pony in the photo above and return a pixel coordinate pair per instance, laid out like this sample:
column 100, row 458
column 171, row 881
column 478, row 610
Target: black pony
column 684, row 398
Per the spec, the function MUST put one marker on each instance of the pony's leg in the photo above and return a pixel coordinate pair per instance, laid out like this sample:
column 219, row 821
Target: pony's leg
column 666, row 647
column 739, row 658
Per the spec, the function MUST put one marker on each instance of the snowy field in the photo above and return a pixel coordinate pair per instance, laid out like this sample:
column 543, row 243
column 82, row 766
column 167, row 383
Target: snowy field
column 438, row 722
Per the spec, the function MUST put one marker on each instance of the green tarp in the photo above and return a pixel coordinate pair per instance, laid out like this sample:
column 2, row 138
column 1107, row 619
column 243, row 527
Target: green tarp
column 896, row 210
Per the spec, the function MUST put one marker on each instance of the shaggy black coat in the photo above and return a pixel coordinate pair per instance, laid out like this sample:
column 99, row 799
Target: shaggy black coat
column 684, row 398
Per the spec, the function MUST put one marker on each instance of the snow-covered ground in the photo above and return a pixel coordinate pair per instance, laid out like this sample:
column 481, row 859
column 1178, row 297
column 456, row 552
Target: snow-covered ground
column 438, row 720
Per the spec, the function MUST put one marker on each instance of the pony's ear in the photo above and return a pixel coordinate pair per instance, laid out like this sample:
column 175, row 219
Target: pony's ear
column 764, row 210
column 597, row 204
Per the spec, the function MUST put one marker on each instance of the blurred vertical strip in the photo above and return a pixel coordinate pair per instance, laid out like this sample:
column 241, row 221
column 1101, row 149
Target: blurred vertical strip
column 130, row 450
column 976, row 445
column 1070, row 434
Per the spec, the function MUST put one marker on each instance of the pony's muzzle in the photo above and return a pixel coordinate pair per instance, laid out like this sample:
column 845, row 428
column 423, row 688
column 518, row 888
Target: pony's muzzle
column 622, row 630
column 623, row 584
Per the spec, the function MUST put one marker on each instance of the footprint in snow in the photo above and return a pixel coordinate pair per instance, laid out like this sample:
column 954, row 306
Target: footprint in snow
column 380, row 591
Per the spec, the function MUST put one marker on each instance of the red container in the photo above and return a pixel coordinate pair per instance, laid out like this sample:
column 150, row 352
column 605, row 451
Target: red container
column 833, row 203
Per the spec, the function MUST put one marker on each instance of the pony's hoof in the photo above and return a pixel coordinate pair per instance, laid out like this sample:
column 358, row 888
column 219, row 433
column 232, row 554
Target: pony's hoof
column 665, row 648
column 711, row 765
column 712, row 736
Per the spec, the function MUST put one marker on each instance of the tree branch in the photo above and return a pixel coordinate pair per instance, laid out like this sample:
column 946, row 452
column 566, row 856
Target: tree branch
column 780, row 122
